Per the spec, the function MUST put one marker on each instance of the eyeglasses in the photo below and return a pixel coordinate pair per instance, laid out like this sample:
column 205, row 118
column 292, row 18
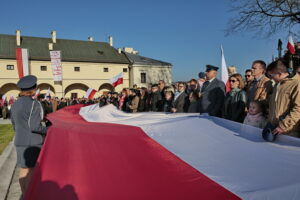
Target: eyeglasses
column 247, row 75
column 180, row 86
column 233, row 81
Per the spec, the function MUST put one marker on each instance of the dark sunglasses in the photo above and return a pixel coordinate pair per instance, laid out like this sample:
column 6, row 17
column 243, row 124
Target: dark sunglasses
column 233, row 81
column 247, row 75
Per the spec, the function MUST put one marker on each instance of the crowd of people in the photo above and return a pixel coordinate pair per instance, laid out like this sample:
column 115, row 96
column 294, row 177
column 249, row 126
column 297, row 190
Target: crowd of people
column 268, row 96
column 265, row 94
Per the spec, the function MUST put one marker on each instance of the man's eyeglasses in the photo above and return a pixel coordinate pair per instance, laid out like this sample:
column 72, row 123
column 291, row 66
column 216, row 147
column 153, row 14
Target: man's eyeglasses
column 247, row 75
column 180, row 86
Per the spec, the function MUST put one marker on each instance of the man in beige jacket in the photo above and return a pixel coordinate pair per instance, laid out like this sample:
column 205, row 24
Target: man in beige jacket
column 284, row 110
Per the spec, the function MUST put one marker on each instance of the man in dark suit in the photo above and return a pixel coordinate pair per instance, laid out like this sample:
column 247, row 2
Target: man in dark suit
column 156, row 99
column 212, row 93
column 181, row 99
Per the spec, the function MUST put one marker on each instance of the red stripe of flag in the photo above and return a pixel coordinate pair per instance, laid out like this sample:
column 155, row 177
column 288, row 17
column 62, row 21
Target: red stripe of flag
column 19, row 62
column 291, row 48
column 92, row 94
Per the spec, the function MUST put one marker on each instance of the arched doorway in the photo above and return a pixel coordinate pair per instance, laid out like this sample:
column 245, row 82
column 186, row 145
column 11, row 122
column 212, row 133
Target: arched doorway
column 106, row 87
column 76, row 90
column 44, row 89
column 9, row 89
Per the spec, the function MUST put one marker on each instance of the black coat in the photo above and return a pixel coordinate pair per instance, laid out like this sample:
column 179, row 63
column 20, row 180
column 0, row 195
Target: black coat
column 142, row 104
column 194, row 107
column 167, row 106
column 235, row 105
column 156, row 102
column 212, row 98
column 181, row 104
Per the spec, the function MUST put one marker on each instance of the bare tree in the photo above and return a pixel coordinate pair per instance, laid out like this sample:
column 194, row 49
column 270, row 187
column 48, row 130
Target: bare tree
column 265, row 17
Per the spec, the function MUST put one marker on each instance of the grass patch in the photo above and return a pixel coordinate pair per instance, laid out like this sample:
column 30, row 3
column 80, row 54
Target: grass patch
column 6, row 135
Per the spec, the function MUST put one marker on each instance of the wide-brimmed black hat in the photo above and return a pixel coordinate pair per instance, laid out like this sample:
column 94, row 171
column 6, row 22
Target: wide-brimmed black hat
column 27, row 83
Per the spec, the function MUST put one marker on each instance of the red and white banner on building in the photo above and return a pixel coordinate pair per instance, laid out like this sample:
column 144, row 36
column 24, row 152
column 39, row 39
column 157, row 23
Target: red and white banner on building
column 22, row 62
column 56, row 65
column 90, row 93
column 117, row 80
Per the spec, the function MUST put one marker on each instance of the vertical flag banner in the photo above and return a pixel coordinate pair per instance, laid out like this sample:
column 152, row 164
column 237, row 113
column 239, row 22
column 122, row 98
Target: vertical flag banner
column 117, row 80
column 291, row 45
column 37, row 93
column 56, row 65
column 4, row 98
column 11, row 100
column 48, row 93
column 22, row 62
column 90, row 93
column 224, row 75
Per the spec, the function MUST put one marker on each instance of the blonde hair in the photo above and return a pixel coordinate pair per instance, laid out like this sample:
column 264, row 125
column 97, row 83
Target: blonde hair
column 240, row 80
column 231, row 69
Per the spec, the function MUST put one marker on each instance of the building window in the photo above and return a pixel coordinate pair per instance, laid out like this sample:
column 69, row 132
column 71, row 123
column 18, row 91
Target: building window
column 125, row 69
column 43, row 68
column 10, row 67
column 143, row 77
column 77, row 69
column 105, row 69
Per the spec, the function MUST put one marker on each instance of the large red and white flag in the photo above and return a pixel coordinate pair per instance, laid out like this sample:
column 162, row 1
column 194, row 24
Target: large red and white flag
column 224, row 75
column 104, row 153
column 291, row 45
column 22, row 62
column 117, row 80
column 90, row 93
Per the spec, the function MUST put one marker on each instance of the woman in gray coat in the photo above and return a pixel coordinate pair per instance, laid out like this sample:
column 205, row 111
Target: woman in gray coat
column 26, row 117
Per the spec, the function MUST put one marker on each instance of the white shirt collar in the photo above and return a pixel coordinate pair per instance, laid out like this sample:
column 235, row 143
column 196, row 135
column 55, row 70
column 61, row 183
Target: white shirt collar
column 211, row 79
